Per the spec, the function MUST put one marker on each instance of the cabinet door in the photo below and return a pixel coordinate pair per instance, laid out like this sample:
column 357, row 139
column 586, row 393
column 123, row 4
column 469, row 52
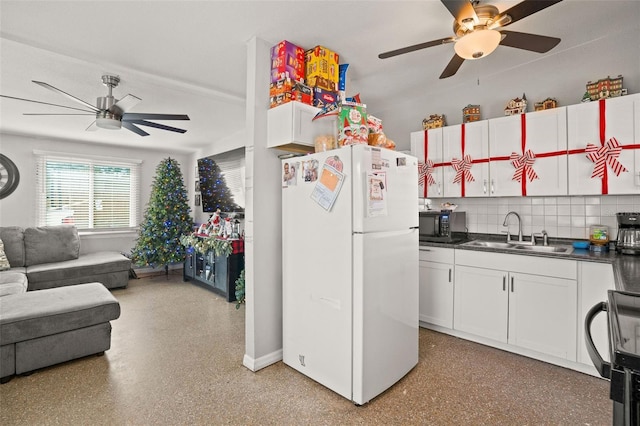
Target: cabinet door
column 476, row 147
column 595, row 280
column 436, row 293
column 542, row 314
column 481, row 302
column 621, row 120
column 547, row 138
column 544, row 134
column 433, row 144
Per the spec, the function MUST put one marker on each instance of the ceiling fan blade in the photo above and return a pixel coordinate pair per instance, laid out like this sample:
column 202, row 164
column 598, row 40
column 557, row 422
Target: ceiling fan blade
column 452, row 67
column 45, row 103
column 71, row 113
column 134, row 128
column 415, row 47
column 131, row 116
column 524, row 9
column 73, row 98
column 156, row 125
column 126, row 103
column 92, row 127
column 461, row 10
column 526, row 41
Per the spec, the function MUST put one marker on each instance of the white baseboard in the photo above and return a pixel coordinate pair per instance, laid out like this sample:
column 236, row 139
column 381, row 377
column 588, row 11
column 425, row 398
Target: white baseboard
column 255, row 364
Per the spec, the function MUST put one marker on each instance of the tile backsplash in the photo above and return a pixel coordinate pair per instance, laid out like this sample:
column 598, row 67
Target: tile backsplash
column 561, row 217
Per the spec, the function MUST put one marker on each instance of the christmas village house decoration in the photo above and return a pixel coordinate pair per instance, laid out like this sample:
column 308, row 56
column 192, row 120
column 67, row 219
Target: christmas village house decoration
column 516, row 106
column 434, row 121
column 604, row 88
column 470, row 113
column 548, row 103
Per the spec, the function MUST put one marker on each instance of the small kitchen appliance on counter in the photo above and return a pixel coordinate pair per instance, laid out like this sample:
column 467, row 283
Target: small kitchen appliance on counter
column 623, row 317
column 628, row 241
column 442, row 226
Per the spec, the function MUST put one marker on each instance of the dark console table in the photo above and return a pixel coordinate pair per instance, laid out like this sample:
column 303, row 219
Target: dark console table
column 213, row 272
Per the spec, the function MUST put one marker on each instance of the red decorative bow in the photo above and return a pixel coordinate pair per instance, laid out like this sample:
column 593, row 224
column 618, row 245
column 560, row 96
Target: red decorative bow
column 523, row 164
column 608, row 153
column 424, row 173
column 462, row 168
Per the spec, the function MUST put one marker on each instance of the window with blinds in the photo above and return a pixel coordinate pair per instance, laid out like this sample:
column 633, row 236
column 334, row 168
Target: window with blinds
column 92, row 194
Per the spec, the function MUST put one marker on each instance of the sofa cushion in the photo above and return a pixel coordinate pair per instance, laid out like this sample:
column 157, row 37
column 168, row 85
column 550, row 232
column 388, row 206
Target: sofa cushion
column 48, row 244
column 41, row 313
column 73, row 271
column 12, row 283
column 4, row 262
column 13, row 239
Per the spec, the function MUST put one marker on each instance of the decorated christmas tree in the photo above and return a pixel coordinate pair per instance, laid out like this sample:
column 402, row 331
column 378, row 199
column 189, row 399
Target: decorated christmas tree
column 215, row 192
column 166, row 218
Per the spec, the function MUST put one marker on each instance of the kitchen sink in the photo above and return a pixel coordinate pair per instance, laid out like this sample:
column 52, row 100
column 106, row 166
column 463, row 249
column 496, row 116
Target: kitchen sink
column 546, row 249
column 515, row 246
column 490, row 244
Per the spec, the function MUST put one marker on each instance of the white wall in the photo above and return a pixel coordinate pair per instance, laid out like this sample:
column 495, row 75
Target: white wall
column 562, row 76
column 18, row 209
column 263, row 225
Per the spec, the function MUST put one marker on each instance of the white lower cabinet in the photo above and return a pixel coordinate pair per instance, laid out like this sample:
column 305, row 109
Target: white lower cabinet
column 436, row 286
column 517, row 306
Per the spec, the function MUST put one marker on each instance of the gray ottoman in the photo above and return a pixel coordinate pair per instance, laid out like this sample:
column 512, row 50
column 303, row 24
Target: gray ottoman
column 47, row 327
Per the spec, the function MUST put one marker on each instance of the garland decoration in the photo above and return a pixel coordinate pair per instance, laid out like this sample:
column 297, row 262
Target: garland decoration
column 204, row 244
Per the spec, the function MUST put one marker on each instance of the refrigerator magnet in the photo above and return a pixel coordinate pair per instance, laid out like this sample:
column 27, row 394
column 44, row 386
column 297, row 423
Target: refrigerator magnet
column 376, row 194
column 327, row 187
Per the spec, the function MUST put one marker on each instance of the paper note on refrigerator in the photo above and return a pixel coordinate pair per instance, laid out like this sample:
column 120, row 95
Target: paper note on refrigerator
column 328, row 187
column 376, row 194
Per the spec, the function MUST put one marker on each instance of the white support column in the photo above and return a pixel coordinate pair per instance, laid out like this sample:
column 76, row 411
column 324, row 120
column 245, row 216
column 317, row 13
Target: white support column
column 263, row 226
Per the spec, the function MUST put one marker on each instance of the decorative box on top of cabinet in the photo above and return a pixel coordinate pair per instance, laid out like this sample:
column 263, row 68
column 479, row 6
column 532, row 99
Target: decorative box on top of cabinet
column 213, row 272
column 290, row 127
column 620, row 121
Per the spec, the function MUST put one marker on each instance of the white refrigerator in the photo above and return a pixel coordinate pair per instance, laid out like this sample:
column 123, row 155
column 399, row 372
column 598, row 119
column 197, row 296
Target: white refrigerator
column 350, row 268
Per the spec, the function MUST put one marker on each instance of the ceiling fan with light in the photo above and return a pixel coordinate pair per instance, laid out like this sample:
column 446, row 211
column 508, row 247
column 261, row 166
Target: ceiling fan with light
column 478, row 31
column 110, row 113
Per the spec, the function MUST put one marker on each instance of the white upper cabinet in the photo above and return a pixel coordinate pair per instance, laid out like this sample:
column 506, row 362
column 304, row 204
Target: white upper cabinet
column 432, row 175
column 528, row 154
column 466, row 147
column 290, row 127
column 613, row 165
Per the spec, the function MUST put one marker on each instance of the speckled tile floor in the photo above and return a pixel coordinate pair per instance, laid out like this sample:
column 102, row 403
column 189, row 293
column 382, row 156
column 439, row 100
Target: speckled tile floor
column 176, row 358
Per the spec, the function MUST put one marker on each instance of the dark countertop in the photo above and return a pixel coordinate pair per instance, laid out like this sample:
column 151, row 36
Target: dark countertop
column 626, row 268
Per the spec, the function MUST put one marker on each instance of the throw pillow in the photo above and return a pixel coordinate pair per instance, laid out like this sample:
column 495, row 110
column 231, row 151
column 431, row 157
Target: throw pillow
column 4, row 262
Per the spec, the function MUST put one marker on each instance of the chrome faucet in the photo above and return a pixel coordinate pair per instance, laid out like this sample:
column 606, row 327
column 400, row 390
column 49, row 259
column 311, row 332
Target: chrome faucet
column 506, row 218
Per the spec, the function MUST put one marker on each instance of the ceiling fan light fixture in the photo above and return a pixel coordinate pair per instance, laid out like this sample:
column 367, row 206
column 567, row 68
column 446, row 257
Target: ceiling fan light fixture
column 108, row 123
column 477, row 44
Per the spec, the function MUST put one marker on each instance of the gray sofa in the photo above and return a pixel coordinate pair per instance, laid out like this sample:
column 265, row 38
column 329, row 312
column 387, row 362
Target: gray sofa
column 68, row 316
column 50, row 257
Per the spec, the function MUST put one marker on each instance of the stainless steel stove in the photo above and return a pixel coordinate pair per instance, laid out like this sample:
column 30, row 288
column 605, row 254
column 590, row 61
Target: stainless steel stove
column 623, row 315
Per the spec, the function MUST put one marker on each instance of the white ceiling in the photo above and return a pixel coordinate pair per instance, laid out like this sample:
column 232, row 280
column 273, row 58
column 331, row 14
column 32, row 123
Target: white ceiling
column 189, row 57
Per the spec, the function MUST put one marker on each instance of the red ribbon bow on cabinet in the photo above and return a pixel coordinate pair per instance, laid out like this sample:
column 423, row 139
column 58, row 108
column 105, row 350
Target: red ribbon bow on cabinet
column 424, row 173
column 608, row 153
column 462, row 168
column 523, row 164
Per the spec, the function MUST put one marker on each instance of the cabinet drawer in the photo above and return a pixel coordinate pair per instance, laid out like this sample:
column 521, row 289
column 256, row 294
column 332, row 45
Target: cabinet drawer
column 545, row 266
column 437, row 254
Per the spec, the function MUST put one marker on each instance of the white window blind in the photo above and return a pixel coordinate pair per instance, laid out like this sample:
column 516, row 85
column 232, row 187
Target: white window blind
column 95, row 194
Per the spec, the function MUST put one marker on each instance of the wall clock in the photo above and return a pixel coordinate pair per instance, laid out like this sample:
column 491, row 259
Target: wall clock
column 9, row 176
